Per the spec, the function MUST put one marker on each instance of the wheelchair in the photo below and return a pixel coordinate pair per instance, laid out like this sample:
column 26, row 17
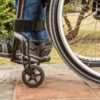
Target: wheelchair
column 32, row 75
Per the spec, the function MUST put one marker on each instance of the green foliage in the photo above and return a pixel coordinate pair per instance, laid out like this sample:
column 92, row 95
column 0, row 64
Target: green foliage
column 7, row 15
column 71, row 6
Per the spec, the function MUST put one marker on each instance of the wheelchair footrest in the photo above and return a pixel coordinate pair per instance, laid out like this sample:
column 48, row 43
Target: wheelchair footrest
column 33, row 58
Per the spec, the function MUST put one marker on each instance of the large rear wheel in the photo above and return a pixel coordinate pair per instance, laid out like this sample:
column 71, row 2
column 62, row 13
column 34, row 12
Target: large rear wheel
column 63, row 42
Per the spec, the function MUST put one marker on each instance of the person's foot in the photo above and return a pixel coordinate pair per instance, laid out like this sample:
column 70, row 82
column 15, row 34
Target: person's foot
column 6, row 47
column 42, row 49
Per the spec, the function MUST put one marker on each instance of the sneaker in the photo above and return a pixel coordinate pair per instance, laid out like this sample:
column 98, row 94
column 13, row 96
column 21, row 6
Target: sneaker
column 40, row 50
column 6, row 47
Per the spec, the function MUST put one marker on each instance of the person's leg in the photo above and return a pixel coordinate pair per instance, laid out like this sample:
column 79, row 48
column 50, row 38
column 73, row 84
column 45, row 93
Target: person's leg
column 34, row 11
column 31, row 9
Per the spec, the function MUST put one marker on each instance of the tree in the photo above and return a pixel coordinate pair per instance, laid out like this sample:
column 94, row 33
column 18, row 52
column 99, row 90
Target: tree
column 72, row 33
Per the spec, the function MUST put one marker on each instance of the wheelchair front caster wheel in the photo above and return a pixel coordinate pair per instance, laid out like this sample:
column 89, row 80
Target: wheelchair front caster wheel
column 33, row 79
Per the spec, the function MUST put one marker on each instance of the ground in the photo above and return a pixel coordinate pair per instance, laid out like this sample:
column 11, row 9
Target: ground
column 60, row 84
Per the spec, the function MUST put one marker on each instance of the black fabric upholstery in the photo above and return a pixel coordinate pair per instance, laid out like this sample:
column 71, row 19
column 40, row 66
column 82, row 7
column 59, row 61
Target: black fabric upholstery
column 27, row 25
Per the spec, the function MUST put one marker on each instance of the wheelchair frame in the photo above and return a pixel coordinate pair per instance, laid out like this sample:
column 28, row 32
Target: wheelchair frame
column 30, row 62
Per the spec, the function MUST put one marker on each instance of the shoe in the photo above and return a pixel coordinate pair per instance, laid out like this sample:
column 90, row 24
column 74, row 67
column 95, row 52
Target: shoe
column 6, row 48
column 46, row 48
column 42, row 49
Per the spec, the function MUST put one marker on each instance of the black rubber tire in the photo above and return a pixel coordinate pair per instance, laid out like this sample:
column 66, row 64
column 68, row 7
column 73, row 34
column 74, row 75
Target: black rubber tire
column 91, row 63
column 38, row 83
column 56, row 38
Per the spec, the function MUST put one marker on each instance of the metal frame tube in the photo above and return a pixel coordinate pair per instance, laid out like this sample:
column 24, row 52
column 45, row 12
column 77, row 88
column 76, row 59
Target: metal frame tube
column 17, row 36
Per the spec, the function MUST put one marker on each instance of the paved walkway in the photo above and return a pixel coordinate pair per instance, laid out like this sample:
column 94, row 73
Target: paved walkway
column 60, row 84
column 6, row 91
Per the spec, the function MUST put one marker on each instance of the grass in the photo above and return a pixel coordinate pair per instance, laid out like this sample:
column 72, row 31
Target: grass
column 55, row 57
column 87, row 49
column 5, row 61
column 87, row 42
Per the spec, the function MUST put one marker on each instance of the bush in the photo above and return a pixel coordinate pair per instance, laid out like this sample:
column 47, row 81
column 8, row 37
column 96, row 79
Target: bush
column 7, row 15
